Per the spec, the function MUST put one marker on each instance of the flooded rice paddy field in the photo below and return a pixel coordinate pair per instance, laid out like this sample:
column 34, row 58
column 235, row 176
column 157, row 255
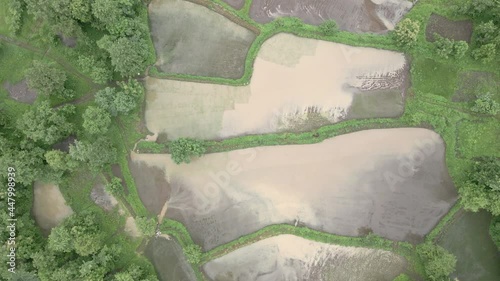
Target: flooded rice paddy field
column 288, row 257
column 167, row 257
column 391, row 181
column 469, row 240
column 351, row 15
column 285, row 91
column 49, row 206
column 191, row 39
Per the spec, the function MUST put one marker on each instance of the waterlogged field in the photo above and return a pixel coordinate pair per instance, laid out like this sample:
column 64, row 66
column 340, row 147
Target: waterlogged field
column 168, row 259
column 350, row 15
column 191, row 39
column 393, row 182
column 49, row 206
column 288, row 257
column 297, row 84
column 469, row 240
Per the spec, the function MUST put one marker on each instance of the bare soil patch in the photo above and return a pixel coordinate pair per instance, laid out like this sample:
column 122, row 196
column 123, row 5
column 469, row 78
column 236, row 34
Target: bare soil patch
column 131, row 227
column 49, row 206
column 288, row 257
column 151, row 182
column 168, row 259
column 21, row 92
column 376, row 16
column 237, row 4
column 456, row 30
column 191, row 39
column 472, row 83
column 102, row 198
column 297, row 84
column 69, row 42
column 362, row 180
column 64, row 145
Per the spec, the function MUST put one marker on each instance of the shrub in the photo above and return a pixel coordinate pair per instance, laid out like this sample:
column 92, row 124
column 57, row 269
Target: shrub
column 146, row 226
column 183, row 149
column 96, row 120
column 459, row 49
column 329, row 27
column 193, row 253
column 402, row 277
column 115, row 186
column 444, row 46
column 406, row 33
column 485, row 53
column 438, row 262
column 486, row 105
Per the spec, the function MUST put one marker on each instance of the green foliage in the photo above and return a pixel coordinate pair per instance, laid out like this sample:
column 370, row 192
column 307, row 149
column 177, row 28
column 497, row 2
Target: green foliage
column 460, row 48
column 135, row 273
column 79, row 233
column 446, row 47
column 402, row 277
column 193, row 253
column 406, row 33
column 329, row 27
column 96, row 69
column 96, row 154
column 495, row 231
column 96, row 120
column 45, row 124
column 45, row 79
column 146, row 226
column 183, row 149
column 485, row 53
column 114, row 187
column 120, row 102
column 14, row 17
column 487, row 32
column 128, row 55
column 481, row 190
column 59, row 161
column 485, row 104
column 437, row 261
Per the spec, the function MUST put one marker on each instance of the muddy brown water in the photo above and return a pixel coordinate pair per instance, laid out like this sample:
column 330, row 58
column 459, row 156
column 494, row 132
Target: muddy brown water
column 391, row 181
column 168, row 259
column 468, row 239
column 352, row 15
column 49, row 206
column 294, row 79
column 288, row 257
column 191, row 39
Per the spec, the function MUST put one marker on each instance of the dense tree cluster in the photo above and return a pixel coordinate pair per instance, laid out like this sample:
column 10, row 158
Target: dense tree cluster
column 47, row 80
column 481, row 190
column 96, row 154
column 124, row 32
column 120, row 101
column 437, row 261
column 446, row 47
column 485, row 104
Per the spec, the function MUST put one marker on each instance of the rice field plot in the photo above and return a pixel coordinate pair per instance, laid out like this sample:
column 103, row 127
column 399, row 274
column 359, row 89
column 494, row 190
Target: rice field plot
column 297, row 84
column 393, row 182
column 288, row 257
column 456, row 30
column 191, row 39
column 376, row 16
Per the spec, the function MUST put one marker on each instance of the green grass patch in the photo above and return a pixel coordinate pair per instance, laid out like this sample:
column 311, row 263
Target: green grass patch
column 479, row 138
column 430, row 76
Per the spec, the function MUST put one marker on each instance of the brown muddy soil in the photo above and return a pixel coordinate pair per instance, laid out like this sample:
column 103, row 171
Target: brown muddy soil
column 21, row 92
column 456, row 30
column 191, row 39
column 64, row 145
column 151, row 183
column 102, row 198
column 237, row 4
column 69, row 42
column 288, row 257
column 49, row 206
column 168, row 259
column 376, row 16
column 392, row 181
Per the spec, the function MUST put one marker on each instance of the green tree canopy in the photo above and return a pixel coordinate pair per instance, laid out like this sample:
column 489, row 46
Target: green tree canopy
column 406, row 33
column 128, row 55
column 45, row 124
column 135, row 273
column 96, row 120
column 495, row 231
column 115, row 186
column 96, row 154
column 123, row 101
column 183, row 149
column 46, row 79
column 146, row 226
column 482, row 188
column 485, row 104
column 439, row 264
